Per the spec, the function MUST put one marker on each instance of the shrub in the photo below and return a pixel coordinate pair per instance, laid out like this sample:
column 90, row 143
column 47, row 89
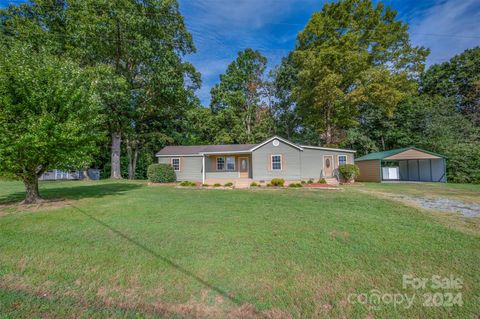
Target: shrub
column 303, row 182
column 161, row 173
column 348, row 172
column 253, row 184
column 187, row 183
column 310, row 181
column 205, row 185
column 217, row 185
column 277, row 182
column 269, row 185
column 229, row 184
column 322, row 181
column 295, row 185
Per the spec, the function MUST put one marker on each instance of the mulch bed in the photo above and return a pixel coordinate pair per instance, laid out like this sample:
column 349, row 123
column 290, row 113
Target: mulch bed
column 318, row 185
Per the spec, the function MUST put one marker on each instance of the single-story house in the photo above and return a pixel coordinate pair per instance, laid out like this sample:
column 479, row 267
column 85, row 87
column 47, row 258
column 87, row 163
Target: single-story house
column 274, row 158
column 56, row 174
column 402, row 164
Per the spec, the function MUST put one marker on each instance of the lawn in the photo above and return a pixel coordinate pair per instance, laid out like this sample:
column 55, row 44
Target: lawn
column 126, row 249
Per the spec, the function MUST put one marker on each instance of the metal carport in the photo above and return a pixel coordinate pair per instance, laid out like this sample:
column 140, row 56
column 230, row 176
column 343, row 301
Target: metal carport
column 402, row 164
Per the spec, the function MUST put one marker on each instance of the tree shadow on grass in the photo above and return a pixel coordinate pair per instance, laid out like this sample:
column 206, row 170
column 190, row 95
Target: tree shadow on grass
column 166, row 260
column 72, row 192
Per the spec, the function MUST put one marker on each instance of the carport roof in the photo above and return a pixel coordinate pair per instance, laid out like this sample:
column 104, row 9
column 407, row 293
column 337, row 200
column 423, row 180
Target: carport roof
column 385, row 154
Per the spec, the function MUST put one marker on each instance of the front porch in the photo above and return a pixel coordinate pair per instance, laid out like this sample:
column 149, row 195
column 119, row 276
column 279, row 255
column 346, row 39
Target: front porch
column 224, row 168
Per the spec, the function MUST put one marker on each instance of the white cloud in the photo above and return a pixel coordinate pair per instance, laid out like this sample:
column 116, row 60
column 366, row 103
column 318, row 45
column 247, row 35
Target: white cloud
column 447, row 28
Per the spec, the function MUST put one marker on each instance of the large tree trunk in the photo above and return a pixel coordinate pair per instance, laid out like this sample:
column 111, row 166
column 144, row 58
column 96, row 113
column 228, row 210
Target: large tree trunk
column 31, row 189
column 115, row 172
column 132, row 153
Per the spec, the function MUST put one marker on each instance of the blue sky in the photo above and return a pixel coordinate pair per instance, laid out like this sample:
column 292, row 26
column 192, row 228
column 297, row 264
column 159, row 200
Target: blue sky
column 221, row 28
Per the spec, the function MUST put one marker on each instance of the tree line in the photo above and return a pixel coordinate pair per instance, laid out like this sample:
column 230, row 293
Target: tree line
column 106, row 84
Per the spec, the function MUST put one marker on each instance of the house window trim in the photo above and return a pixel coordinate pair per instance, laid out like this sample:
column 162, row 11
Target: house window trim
column 346, row 160
column 281, row 164
column 225, row 165
column 216, row 163
column 179, row 163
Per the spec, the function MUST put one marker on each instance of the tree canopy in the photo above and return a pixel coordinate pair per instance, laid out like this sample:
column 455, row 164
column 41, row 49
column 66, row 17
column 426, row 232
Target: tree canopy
column 350, row 55
column 239, row 100
column 49, row 115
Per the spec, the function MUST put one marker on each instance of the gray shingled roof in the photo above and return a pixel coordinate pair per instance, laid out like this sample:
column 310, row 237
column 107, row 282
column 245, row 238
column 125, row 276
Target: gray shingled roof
column 198, row 149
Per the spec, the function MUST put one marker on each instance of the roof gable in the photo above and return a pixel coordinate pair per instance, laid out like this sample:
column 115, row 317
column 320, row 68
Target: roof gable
column 395, row 154
column 279, row 139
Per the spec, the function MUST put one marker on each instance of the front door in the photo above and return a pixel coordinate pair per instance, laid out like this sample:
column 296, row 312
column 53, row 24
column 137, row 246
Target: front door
column 243, row 167
column 328, row 165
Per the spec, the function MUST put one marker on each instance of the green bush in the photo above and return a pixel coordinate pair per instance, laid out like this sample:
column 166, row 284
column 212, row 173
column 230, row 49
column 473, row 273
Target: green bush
column 310, row 181
column 295, row 185
column 217, row 185
column 161, row 173
column 463, row 162
column 229, row 184
column 253, row 184
column 269, row 185
column 303, row 182
column 187, row 183
column 348, row 172
column 205, row 185
column 322, row 181
column 277, row 182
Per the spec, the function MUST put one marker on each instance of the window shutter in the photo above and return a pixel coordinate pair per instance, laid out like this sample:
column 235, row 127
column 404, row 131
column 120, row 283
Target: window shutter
column 269, row 162
column 283, row 162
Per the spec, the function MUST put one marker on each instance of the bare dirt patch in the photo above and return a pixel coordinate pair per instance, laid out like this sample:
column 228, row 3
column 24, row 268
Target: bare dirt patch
column 46, row 204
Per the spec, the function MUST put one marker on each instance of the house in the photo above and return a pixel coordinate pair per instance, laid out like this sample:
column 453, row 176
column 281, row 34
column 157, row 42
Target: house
column 57, row 174
column 402, row 164
column 243, row 163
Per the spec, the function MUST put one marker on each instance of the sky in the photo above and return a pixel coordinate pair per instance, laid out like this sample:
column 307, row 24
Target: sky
column 222, row 28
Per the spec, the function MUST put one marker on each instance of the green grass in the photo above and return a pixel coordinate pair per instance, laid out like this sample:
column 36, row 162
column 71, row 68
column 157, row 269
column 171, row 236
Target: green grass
column 123, row 249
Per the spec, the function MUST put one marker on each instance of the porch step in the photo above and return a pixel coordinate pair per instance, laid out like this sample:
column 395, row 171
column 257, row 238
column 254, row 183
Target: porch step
column 243, row 183
column 332, row 181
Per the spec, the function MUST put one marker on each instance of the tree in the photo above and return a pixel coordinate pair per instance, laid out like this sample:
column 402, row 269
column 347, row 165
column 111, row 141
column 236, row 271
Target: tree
column 142, row 41
column 287, row 120
column 49, row 115
column 241, row 114
column 352, row 55
column 459, row 79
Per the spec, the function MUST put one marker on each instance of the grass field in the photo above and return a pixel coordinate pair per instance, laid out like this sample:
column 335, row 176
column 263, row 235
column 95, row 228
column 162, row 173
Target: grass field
column 125, row 249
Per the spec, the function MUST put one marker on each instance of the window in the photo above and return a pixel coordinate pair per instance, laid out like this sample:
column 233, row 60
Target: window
column 230, row 163
column 176, row 164
column 220, row 163
column 276, row 162
column 327, row 163
column 342, row 160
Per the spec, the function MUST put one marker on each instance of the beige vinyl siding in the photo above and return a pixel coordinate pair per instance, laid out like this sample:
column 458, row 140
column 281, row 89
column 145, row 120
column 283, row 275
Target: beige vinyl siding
column 262, row 157
column 369, row 171
column 312, row 161
column 190, row 167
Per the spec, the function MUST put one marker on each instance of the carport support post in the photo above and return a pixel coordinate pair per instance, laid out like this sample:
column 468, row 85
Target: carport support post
column 203, row 169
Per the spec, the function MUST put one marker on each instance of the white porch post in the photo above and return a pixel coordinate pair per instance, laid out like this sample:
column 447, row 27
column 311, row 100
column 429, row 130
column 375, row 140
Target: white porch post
column 203, row 169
